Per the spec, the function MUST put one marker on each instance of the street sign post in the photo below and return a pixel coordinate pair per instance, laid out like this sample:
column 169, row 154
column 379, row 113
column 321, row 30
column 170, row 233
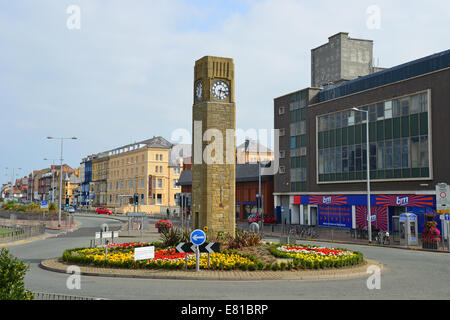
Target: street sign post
column 198, row 237
column 442, row 198
column 206, row 247
column 44, row 205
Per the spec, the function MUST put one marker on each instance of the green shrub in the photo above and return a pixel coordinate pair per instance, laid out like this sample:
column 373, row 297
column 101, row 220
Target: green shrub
column 12, row 273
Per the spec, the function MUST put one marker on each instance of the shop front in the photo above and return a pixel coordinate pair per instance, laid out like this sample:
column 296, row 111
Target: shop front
column 350, row 211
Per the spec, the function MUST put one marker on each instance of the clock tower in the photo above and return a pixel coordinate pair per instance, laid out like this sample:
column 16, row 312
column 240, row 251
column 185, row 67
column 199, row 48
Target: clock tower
column 213, row 146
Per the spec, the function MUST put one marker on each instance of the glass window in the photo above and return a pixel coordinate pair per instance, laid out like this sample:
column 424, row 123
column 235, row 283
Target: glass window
column 380, row 111
column 424, row 102
column 358, row 153
column 404, row 105
column 380, row 156
column 339, row 120
column 351, row 158
column 338, row 160
column 388, row 155
column 405, row 153
column 414, row 145
column 396, row 108
column 424, row 152
column 344, row 159
column 351, row 119
column 358, row 117
column 345, row 116
column 321, row 166
column 292, row 144
column 397, row 154
column 415, row 104
column 373, row 156
column 326, row 154
column 372, row 113
column 331, row 122
column 388, row 109
column 159, row 183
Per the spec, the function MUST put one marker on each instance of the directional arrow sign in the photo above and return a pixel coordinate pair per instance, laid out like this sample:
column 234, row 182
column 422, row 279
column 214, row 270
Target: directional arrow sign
column 185, row 247
column 198, row 237
column 208, row 247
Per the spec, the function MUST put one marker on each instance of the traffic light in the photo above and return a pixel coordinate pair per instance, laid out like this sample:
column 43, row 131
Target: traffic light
column 136, row 199
column 67, row 202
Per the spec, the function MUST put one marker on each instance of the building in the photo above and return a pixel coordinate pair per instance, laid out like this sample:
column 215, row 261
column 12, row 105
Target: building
column 407, row 107
column 253, row 152
column 86, row 180
column 341, row 59
column 98, row 187
column 247, row 188
column 144, row 168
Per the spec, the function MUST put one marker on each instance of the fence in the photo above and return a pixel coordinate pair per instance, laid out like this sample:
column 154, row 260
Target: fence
column 56, row 296
column 18, row 232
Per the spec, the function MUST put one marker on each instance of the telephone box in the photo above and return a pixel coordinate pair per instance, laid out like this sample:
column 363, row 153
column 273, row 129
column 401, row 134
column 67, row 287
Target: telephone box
column 408, row 230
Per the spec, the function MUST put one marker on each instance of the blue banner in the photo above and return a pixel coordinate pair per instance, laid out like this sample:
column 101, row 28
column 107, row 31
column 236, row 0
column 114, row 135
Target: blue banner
column 335, row 216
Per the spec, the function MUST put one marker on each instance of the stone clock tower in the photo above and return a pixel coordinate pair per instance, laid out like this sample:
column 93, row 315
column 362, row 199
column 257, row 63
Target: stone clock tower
column 213, row 146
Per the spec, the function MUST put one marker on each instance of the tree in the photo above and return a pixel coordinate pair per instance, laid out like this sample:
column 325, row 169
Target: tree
column 12, row 273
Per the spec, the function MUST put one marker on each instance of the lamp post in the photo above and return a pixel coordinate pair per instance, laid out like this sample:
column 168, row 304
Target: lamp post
column 369, row 212
column 60, row 178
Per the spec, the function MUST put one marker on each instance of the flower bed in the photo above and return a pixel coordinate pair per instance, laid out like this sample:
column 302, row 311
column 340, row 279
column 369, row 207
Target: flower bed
column 312, row 257
column 122, row 256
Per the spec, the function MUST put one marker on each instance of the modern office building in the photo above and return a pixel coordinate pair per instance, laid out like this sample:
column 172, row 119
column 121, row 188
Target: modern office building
column 323, row 149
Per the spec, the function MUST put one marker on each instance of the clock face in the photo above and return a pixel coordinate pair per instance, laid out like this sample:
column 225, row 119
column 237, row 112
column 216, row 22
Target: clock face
column 220, row 90
column 199, row 91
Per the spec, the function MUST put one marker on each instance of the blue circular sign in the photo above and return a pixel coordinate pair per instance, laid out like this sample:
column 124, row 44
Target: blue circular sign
column 198, row 237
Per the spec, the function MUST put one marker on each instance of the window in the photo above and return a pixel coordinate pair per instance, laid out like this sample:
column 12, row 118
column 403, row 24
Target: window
column 404, row 105
column 397, row 154
column 282, row 154
column 282, row 169
column 160, row 169
column 159, row 199
column 405, row 153
column 380, row 156
column 424, row 102
column 282, row 132
column 388, row 109
column 160, row 183
column 156, row 157
column 156, row 169
column 142, row 183
column 415, row 104
column 281, row 110
column 415, row 157
column 175, row 184
column 380, row 111
column 388, row 154
column 424, row 152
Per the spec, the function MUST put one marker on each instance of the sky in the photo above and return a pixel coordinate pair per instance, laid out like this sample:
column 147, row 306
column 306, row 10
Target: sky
column 116, row 72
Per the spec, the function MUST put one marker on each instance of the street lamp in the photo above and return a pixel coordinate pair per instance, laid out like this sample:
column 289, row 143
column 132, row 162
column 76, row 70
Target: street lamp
column 369, row 213
column 60, row 180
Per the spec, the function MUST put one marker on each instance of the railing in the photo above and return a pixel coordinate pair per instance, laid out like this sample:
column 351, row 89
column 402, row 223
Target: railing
column 56, row 296
column 18, row 232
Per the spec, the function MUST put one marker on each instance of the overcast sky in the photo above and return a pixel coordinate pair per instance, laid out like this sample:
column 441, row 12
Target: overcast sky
column 127, row 73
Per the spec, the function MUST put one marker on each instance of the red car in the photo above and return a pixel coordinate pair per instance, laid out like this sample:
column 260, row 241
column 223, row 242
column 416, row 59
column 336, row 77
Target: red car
column 267, row 219
column 102, row 210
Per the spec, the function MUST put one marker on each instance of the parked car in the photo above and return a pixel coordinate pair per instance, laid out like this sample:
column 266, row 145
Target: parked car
column 101, row 210
column 71, row 209
column 267, row 219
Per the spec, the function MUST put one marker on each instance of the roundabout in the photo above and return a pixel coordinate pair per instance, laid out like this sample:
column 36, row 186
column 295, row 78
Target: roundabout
column 265, row 261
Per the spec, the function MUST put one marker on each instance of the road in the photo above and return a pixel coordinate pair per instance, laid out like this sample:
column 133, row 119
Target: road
column 409, row 275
